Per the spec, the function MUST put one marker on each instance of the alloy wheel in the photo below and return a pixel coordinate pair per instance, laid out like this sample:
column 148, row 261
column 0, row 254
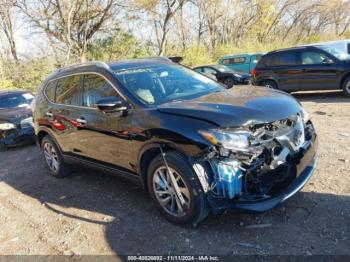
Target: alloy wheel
column 51, row 157
column 347, row 87
column 166, row 193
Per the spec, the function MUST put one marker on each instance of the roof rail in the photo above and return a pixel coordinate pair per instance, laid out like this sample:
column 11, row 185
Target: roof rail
column 96, row 63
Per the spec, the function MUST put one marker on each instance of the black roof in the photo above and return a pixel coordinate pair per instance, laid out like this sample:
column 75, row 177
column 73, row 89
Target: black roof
column 112, row 66
column 297, row 48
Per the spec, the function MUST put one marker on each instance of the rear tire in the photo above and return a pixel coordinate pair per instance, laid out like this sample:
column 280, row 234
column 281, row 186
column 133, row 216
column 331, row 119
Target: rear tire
column 195, row 208
column 54, row 159
column 269, row 84
column 346, row 86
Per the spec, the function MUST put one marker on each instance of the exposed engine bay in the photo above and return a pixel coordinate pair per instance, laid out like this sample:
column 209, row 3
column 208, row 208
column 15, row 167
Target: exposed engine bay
column 264, row 168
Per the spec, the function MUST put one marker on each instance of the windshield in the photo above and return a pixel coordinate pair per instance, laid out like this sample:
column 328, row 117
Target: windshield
column 338, row 50
column 16, row 100
column 158, row 84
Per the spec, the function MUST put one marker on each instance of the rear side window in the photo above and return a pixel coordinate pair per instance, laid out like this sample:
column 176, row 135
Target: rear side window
column 68, row 90
column 235, row 60
column 95, row 88
column 287, row 58
column 280, row 59
column 50, row 90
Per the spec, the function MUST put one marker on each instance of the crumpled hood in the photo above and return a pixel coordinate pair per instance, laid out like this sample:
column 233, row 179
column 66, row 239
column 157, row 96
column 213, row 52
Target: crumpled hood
column 236, row 107
column 14, row 115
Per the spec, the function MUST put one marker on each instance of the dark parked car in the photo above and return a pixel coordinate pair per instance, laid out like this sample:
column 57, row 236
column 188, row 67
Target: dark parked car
column 304, row 68
column 225, row 75
column 16, row 122
column 192, row 144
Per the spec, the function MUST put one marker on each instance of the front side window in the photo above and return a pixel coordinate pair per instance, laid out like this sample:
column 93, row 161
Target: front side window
column 209, row 70
column 199, row 70
column 95, row 88
column 154, row 85
column 16, row 100
column 68, row 90
column 312, row 58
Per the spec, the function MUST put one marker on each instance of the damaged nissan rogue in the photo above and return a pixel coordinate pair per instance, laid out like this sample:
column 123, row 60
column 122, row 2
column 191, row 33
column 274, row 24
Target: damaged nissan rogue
column 195, row 146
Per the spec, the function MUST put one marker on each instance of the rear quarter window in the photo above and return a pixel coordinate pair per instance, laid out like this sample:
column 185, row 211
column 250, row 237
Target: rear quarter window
column 50, row 91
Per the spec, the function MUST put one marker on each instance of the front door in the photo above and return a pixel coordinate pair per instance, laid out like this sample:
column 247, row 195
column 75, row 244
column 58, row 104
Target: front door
column 103, row 135
column 318, row 71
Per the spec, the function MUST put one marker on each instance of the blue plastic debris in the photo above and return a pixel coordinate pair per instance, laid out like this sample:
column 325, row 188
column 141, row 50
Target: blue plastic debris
column 228, row 177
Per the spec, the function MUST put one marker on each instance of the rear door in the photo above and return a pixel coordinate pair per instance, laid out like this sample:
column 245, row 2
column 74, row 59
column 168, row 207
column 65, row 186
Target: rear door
column 62, row 114
column 103, row 136
column 285, row 70
column 318, row 70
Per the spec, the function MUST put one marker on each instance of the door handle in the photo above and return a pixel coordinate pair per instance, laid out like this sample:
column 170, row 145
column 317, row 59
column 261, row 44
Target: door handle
column 81, row 120
column 49, row 114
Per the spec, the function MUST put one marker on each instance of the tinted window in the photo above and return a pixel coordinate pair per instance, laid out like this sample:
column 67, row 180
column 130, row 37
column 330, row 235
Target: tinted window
column 312, row 58
column 95, row 88
column 287, row 59
column 50, row 90
column 200, row 70
column 68, row 90
column 235, row 60
column 209, row 70
column 280, row 59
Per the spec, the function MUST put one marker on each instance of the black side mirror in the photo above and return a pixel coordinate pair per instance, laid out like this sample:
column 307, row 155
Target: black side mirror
column 327, row 61
column 111, row 104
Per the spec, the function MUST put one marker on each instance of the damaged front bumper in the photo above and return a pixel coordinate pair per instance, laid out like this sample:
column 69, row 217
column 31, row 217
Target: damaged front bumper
column 305, row 170
column 17, row 135
column 279, row 162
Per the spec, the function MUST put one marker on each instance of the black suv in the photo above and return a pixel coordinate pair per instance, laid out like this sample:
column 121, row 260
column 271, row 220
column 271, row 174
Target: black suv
column 303, row 69
column 191, row 143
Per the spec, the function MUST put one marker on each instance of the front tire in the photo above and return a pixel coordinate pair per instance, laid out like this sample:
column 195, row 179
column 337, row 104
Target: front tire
column 346, row 87
column 54, row 159
column 194, row 207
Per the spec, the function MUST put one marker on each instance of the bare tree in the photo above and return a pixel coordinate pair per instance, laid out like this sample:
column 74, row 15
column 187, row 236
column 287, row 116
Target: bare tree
column 73, row 23
column 6, row 24
column 161, row 13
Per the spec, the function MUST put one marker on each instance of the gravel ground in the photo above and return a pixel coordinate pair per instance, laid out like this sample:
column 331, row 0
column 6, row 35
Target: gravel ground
column 93, row 213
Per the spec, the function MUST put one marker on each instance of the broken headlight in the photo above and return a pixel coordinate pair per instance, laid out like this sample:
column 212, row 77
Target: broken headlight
column 229, row 139
column 7, row 126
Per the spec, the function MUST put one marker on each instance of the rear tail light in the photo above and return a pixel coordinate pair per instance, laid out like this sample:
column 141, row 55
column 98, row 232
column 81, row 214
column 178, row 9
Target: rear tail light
column 254, row 72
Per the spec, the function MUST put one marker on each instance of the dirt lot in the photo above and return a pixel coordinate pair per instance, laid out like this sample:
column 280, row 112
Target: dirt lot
column 94, row 213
